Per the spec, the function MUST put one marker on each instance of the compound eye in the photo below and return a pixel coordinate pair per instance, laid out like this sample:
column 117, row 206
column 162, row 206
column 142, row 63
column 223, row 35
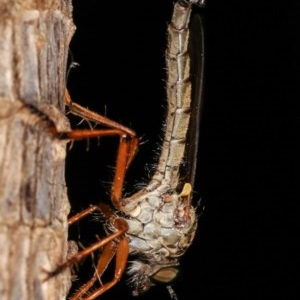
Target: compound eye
column 165, row 275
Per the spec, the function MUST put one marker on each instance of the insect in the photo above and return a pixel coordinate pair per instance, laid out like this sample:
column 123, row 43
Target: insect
column 158, row 223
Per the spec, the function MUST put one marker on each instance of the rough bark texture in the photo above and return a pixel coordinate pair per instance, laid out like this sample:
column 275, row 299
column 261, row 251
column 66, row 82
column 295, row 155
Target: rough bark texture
column 34, row 42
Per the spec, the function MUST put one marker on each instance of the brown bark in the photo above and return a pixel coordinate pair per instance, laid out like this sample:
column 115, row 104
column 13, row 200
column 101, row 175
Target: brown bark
column 34, row 42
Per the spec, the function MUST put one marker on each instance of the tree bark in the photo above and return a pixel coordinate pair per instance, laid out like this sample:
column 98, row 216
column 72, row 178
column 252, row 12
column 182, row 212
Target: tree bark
column 34, row 43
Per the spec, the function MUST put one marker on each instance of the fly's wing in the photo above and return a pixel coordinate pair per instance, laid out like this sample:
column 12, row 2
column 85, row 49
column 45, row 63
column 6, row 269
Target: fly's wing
column 196, row 52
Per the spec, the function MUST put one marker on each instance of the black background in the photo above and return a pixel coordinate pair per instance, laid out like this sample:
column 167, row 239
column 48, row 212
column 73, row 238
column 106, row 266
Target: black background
column 245, row 239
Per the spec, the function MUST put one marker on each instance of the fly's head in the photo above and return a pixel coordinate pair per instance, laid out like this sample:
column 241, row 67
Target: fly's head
column 146, row 273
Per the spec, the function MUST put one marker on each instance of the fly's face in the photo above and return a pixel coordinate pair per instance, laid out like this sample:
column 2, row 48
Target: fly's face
column 147, row 273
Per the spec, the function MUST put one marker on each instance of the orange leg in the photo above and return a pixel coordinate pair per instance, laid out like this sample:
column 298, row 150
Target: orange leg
column 106, row 256
column 82, row 214
column 121, row 260
column 128, row 144
column 121, row 227
column 116, row 244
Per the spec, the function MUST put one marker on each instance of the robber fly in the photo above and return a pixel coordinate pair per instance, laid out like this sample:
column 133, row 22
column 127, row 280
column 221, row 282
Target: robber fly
column 158, row 223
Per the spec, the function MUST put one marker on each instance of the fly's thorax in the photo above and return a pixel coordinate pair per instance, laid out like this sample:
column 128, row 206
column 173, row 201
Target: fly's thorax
column 162, row 226
column 161, row 222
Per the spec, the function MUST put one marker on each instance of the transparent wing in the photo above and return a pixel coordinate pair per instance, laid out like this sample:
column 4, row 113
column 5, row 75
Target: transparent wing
column 196, row 52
